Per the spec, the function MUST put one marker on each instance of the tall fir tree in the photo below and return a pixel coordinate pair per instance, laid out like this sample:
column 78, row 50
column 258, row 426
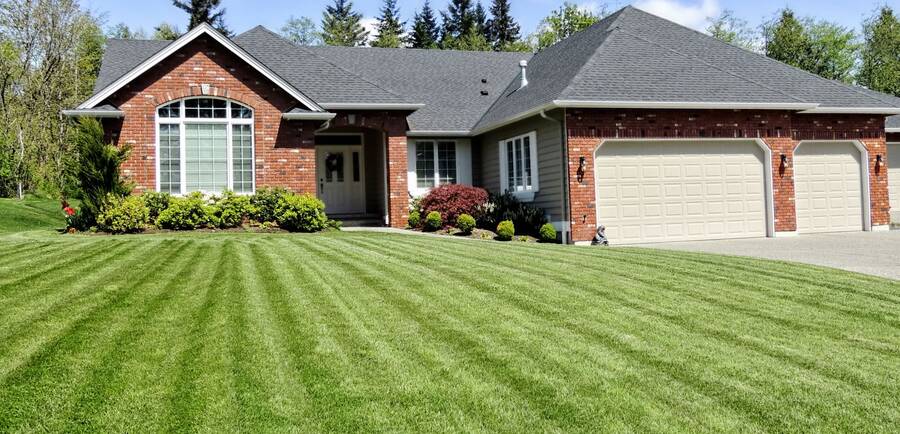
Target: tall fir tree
column 480, row 21
column 425, row 31
column 341, row 25
column 204, row 11
column 503, row 30
column 786, row 39
column 390, row 28
column 880, row 66
column 458, row 19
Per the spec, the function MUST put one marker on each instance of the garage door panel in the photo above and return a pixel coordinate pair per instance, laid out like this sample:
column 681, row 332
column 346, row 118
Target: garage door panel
column 828, row 187
column 689, row 191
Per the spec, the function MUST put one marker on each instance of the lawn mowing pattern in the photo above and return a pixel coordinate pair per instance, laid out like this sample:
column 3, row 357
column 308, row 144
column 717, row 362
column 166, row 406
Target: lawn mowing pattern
column 376, row 332
column 30, row 214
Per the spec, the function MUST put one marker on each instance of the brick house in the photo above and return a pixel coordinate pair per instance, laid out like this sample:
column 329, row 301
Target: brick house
column 653, row 130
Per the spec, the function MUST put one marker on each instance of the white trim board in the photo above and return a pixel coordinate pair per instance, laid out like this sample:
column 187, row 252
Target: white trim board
column 370, row 106
column 92, row 113
column 202, row 29
column 892, row 130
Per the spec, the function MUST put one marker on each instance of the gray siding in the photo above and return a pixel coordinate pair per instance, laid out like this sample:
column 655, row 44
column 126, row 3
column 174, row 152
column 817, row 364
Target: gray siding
column 550, row 161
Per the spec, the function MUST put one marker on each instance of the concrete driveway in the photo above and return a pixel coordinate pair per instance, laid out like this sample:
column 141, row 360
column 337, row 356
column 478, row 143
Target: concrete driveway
column 875, row 253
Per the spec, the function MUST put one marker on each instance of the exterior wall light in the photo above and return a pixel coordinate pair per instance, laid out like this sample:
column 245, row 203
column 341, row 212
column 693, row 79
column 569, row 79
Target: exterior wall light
column 879, row 161
column 581, row 164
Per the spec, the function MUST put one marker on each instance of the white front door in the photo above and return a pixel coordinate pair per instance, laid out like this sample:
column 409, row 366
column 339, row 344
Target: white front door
column 340, row 173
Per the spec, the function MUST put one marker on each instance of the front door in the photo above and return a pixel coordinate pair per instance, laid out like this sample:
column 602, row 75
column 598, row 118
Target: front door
column 340, row 173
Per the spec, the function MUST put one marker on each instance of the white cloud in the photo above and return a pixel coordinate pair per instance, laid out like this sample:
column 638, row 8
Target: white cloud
column 692, row 13
column 590, row 6
column 369, row 24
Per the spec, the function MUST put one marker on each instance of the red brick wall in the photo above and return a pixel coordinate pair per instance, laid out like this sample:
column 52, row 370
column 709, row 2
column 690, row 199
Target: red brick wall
column 284, row 150
column 780, row 130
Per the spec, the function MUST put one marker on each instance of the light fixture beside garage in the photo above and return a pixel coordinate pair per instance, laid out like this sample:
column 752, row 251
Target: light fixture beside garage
column 879, row 160
column 581, row 163
column 784, row 163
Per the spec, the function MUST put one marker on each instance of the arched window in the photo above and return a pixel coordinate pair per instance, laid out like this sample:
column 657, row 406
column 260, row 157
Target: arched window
column 206, row 145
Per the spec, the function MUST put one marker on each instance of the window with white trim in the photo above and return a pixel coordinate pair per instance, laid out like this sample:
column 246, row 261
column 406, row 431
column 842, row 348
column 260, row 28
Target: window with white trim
column 435, row 163
column 206, row 145
column 518, row 164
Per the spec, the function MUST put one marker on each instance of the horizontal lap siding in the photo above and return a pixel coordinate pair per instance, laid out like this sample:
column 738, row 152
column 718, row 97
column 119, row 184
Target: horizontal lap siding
column 550, row 168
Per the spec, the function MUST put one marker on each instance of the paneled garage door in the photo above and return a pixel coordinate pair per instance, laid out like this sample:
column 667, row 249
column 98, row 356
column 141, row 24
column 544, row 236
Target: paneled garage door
column 894, row 180
column 680, row 190
column 828, row 185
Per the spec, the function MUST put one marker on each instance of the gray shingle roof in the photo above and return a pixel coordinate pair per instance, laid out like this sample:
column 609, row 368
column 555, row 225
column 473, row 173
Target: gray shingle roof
column 893, row 122
column 630, row 56
column 123, row 55
column 449, row 83
column 635, row 56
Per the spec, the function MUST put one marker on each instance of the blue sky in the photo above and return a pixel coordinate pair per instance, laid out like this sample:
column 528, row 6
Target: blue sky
column 244, row 14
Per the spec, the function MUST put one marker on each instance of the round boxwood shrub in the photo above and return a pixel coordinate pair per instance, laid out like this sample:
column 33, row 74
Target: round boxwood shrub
column 414, row 219
column 156, row 202
column 506, row 230
column 451, row 200
column 548, row 233
column 185, row 213
column 123, row 215
column 230, row 209
column 264, row 203
column 301, row 213
column 465, row 223
column 433, row 221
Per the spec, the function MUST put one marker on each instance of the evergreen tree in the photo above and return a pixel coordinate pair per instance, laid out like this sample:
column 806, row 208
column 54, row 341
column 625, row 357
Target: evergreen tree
column 480, row 21
column 786, row 40
column 458, row 19
column 425, row 31
column 880, row 66
column 341, row 25
column 390, row 28
column 503, row 29
column 204, row 11
column 166, row 32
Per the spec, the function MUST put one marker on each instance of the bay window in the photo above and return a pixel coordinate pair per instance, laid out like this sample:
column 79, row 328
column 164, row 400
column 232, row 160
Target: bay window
column 518, row 165
column 205, row 145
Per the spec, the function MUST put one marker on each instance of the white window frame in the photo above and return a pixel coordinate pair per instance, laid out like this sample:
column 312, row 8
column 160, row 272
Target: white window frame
column 436, row 172
column 228, row 121
column 525, row 195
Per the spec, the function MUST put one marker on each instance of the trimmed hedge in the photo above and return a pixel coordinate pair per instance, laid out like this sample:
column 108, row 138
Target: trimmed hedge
column 301, row 213
column 414, row 219
column 123, row 215
column 185, row 213
column 548, row 233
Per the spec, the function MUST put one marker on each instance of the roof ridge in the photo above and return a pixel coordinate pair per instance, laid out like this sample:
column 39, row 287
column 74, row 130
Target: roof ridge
column 760, row 55
column 300, row 48
column 711, row 65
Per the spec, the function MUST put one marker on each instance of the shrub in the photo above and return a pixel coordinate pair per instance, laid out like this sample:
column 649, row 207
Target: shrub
column 527, row 218
column 186, row 213
column 301, row 213
column 156, row 202
column 506, row 230
column 548, row 233
column 265, row 202
column 123, row 215
column 414, row 219
column 451, row 200
column 229, row 210
column 96, row 168
column 433, row 221
column 465, row 223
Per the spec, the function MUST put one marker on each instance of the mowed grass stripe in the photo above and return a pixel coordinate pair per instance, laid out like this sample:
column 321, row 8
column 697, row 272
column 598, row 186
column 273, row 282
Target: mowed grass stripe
column 46, row 383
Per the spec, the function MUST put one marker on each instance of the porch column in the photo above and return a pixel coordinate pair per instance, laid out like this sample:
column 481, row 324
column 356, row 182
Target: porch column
column 398, row 195
column 783, row 184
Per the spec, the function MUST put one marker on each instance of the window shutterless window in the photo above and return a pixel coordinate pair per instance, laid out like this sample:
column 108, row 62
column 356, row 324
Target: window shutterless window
column 435, row 163
column 205, row 144
column 518, row 164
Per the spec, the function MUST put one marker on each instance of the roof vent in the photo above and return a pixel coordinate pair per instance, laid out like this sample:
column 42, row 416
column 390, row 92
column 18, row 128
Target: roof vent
column 524, row 65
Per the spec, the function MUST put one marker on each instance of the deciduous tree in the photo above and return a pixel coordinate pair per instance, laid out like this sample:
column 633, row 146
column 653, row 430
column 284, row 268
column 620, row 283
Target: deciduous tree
column 301, row 31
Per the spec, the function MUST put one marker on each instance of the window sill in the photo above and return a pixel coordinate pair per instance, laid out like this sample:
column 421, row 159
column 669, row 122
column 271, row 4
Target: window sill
column 524, row 196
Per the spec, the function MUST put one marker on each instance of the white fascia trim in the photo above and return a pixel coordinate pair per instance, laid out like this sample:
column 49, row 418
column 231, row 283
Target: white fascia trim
column 438, row 133
column 370, row 106
column 684, row 105
column 892, row 130
column 89, row 113
column 854, row 110
column 513, row 119
column 176, row 45
column 316, row 116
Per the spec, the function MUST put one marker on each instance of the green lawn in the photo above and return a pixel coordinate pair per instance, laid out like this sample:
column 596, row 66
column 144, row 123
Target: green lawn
column 378, row 332
column 29, row 214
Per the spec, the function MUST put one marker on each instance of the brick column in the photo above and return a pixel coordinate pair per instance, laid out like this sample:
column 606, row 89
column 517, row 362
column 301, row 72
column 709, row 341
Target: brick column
column 783, row 183
column 878, row 182
column 398, row 189
column 581, row 187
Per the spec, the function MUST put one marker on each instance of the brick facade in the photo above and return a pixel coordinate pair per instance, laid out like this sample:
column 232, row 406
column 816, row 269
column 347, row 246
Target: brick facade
column 284, row 150
column 781, row 131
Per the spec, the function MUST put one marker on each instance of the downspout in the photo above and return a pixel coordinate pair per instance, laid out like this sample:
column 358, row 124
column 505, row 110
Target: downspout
column 565, row 187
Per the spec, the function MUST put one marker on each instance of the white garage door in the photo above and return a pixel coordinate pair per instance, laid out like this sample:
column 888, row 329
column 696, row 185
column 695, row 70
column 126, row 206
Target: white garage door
column 680, row 190
column 828, row 185
column 894, row 180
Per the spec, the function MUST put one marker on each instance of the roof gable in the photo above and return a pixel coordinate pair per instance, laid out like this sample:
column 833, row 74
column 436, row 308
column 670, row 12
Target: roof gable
column 164, row 52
